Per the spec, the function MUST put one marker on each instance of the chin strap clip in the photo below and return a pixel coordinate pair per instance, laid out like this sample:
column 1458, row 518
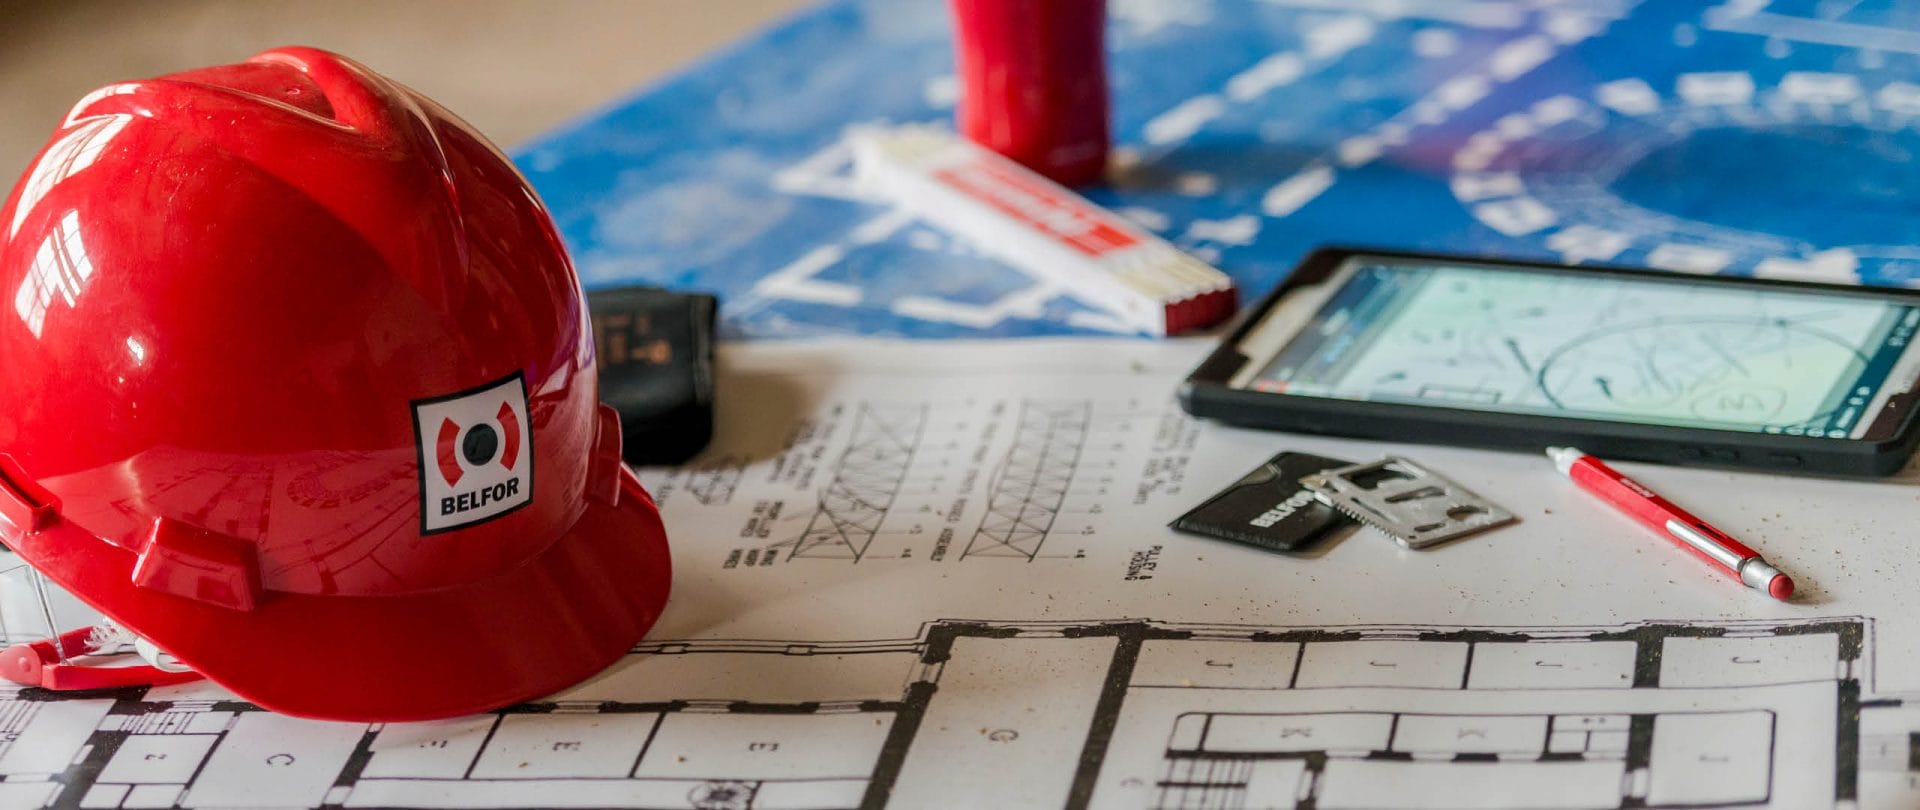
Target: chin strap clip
column 51, row 664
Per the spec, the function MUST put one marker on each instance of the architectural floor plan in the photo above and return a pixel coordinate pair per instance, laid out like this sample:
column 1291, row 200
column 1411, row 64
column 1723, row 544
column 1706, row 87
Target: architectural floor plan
column 1125, row 713
column 949, row 588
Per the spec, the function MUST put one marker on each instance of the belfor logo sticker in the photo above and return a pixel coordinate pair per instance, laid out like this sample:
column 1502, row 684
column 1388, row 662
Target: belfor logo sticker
column 476, row 454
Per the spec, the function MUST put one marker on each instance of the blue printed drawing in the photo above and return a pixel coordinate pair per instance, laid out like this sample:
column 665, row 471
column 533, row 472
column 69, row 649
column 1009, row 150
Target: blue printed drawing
column 1748, row 137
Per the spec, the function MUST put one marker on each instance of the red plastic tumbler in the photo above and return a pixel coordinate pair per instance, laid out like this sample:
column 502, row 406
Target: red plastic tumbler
column 1034, row 82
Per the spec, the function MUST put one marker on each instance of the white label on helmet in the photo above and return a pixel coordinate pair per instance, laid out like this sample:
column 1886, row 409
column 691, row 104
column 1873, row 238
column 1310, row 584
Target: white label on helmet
column 476, row 455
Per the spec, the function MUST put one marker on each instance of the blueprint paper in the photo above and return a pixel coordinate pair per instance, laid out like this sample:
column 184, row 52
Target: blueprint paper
column 936, row 575
column 1749, row 137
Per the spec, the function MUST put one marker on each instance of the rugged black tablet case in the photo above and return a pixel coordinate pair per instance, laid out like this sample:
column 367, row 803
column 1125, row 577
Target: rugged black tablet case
column 1205, row 394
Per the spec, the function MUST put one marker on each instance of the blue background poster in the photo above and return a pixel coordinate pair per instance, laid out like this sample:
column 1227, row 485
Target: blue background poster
column 1747, row 137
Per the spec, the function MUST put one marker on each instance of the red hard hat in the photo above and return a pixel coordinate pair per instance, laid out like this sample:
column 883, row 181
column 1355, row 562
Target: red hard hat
column 301, row 389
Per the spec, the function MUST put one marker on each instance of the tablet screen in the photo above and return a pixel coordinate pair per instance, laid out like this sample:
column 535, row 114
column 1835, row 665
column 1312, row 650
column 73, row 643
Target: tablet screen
column 1673, row 351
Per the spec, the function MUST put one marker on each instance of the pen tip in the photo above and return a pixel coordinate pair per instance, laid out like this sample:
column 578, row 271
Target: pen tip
column 1781, row 587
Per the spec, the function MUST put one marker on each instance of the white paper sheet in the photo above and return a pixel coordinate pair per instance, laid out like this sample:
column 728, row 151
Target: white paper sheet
column 936, row 575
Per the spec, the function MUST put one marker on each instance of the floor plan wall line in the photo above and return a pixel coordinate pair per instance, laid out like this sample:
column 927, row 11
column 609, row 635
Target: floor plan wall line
column 1139, row 713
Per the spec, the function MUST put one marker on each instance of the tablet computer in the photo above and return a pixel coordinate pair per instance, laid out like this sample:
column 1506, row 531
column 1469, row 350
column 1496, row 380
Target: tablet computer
column 1658, row 366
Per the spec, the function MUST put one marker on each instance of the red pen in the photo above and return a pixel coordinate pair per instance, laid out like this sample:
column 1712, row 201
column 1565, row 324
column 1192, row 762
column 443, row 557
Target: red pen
column 1685, row 530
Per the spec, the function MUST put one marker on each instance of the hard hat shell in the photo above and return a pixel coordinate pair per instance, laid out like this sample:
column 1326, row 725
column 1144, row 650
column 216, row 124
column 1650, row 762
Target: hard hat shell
column 301, row 389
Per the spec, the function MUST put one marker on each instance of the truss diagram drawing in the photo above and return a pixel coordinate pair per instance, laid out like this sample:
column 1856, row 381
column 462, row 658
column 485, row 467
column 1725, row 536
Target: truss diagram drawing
column 714, row 483
column 1031, row 484
column 865, row 481
column 1138, row 714
column 710, row 482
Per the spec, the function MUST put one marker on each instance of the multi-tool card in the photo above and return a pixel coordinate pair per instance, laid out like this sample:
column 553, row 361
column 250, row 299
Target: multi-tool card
column 1411, row 503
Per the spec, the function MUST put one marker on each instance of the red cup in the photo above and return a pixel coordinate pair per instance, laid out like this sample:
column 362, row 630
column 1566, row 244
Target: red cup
column 1034, row 83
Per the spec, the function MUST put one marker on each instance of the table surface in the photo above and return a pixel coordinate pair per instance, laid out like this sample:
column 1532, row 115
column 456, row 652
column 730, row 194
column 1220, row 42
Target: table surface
column 514, row 69
column 864, row 499
column 1745, row 138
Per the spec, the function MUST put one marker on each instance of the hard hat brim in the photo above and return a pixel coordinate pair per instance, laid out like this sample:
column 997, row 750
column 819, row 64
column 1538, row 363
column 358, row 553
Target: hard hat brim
column 542, row 627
